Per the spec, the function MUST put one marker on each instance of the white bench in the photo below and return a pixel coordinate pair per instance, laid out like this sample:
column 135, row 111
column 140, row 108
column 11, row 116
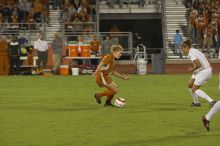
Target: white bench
column 24, row 58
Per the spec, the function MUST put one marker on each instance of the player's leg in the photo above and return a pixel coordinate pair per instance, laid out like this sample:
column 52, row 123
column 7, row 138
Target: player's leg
column 214, row 109
column 112, row 90
column 105, row 81
column 202, row 78
column 202, row 94
column 206, row 119
column 194, row 96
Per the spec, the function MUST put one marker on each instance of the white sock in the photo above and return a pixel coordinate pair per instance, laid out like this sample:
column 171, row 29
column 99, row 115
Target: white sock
column 194, row 96
column 213, row 110
column 202, row 94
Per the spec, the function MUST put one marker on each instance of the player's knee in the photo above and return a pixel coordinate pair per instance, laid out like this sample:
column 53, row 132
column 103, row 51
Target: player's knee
column 194, row 90
column 190, row 86
column 116, row 91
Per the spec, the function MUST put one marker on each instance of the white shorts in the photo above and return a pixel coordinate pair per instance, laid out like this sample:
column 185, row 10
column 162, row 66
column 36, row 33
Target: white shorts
column 202, row 77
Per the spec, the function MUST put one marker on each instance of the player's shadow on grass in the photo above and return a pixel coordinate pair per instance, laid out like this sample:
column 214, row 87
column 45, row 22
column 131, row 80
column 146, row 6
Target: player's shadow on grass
column 55, row 109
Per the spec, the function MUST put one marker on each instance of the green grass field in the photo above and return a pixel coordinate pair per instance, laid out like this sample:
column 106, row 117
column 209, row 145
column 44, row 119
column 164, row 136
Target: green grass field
column 61, row 111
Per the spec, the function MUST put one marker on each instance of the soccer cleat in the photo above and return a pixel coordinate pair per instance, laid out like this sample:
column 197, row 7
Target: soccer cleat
column 212, row 103
column 108, row 104
column 195, row 104
column 98, row 100
column 205, row 123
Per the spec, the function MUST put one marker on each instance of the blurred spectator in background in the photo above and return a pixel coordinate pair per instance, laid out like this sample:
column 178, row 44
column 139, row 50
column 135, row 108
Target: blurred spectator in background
column 14, row 51
column 192, row 24
column 115, row 36
column 6, row 11
column 177, row 40
column 137, row 39
column 41, row 49
column 66, row 5
column 46, row 4
column 57, row 4
column 186, row 3
column 45, row 16
column 201, row 23
column 57, row 46
column 14, row 20
column 89, row 25
column 72, row 12
column 82, row 13
column 80, row 42
column 4, row 61
column 207, row 39
column 2, row 20
column 23, row 10
column 77, row 25
column 23, row 50
column 29, row 5
column 95, row 45
column 30, row 19
column 106, row 46
column 86, row 4
column 37, row 10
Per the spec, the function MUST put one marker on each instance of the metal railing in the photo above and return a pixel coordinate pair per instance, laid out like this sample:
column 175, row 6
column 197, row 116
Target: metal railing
column 73, row 27
column 27, row 30
column 129, row 3
column 164, row 25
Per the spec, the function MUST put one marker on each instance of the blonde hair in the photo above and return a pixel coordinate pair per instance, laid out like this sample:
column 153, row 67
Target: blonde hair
column 116, row 48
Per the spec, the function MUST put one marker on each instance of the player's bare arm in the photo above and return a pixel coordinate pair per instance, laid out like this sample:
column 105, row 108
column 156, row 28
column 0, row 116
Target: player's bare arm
column 209, row 62
column 196, row 65
column 98, row 68
column 117, row 74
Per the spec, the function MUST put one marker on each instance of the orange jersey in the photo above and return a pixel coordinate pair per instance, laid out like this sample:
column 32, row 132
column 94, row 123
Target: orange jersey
column 3, row 48
column 95, row 45
column 102, row 77
column 201, row 23
column 193, row 16
column 108, row 66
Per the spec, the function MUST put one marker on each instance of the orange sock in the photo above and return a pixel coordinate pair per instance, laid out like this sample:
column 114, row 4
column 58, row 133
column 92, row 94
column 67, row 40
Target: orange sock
column 107, row 93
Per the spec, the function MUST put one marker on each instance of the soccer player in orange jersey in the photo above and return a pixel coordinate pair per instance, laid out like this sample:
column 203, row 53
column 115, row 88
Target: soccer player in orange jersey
column 102, row 75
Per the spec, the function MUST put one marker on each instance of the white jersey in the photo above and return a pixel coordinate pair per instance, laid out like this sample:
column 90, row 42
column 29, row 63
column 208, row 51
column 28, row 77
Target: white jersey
column 195, row 54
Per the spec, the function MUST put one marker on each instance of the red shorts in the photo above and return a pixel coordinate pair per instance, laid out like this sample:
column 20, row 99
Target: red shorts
column 102, row 80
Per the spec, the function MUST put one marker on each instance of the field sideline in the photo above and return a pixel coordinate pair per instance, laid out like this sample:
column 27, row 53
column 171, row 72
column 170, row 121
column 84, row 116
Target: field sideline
column 61, row 111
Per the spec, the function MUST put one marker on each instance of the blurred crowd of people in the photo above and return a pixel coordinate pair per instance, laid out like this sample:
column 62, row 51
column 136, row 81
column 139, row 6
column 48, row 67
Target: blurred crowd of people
column 79, row 15
column 13, row 12
column 140, row 3
column 204, row 24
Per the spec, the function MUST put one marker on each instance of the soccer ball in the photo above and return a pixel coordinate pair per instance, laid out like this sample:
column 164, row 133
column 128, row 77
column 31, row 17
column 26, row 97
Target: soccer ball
column 120, row 102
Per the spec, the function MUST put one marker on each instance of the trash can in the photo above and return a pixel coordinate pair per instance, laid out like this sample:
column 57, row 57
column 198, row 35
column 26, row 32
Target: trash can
column 158, row 63
column 141, row 66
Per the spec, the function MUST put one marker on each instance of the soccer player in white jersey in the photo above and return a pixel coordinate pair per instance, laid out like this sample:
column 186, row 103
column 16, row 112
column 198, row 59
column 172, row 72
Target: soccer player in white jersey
column 206, row 119
column 202, row 72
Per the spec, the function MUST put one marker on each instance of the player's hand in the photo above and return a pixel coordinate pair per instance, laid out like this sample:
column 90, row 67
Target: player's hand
column 93, row 75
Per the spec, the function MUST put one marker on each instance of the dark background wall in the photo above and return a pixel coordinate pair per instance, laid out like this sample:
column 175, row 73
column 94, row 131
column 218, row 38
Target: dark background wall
column 150, row 29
